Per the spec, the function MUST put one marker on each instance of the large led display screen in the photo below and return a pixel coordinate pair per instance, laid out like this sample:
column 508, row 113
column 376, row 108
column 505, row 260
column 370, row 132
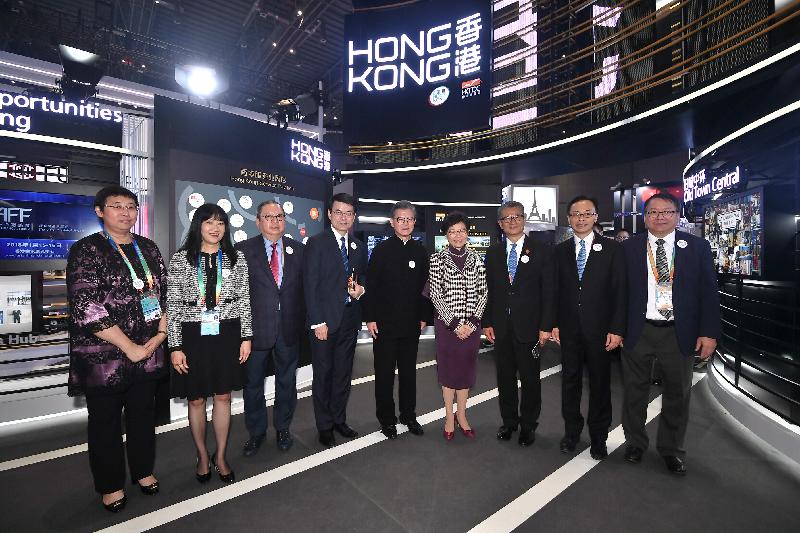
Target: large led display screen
column 304, row 217
column 734, row 228
column 39, row 226
column 417, row 71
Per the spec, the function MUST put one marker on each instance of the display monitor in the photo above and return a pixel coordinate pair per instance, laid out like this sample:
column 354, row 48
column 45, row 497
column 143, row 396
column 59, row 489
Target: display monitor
column 733, row 226
column 16, row 304
column 374, row 240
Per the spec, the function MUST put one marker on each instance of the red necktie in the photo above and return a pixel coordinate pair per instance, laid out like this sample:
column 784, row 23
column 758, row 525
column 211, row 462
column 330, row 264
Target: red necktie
column 273, row 263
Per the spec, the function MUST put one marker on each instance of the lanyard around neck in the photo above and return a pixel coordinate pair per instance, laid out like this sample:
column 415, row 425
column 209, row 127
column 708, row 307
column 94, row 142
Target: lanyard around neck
column 201, row 284
column 653, row 263
column 137, row 283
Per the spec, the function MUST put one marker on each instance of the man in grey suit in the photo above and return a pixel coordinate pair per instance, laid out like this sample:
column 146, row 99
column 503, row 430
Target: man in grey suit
column 275, row 265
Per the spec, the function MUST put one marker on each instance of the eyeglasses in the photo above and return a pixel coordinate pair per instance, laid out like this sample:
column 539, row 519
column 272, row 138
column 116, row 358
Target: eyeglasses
column 580, row 216
column 457, row 232
column 345, row 214
column 405, row 220
column 659, row 214
column 119, row 208
column 276, row 218
column 512, row 218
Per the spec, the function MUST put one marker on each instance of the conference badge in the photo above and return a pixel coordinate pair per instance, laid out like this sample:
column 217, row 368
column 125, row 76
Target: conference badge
column 682, row 244
column 289, row 250
column 412, row 264
column 597, row 247
column 524, row 259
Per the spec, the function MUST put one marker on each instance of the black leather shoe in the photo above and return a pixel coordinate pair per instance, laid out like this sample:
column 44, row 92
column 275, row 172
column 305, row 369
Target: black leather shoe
column 526, row 437
column 598, row 451
column 230, row 477
column 675, row 465
column 568, row 444
column 116, row 506
column 326, row 438
column 633, row 454
column 284, row 440
column 414, row 427
column 252, row 445
column 389, row 430
column 505, row 432
column 345, row 431
column 150, row 490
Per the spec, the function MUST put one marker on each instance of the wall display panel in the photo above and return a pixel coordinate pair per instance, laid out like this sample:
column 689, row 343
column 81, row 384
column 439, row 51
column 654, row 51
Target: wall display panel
column 735, row 229
column 16, row 310
column 417, row 71
column 304, row 217
column 373, row 240
column 541, row 205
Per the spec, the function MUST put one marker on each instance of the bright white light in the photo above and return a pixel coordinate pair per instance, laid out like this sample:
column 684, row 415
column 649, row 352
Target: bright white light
column 76, row 54
column 202, row 80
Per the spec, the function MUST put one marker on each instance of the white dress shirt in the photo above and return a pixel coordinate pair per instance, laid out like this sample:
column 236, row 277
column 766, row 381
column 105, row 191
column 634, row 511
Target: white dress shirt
column 588, row 240
column 669, row 246
column 518, row 250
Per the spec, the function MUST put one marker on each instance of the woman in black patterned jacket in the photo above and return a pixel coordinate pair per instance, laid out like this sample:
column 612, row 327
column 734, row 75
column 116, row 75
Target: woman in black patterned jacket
column 209, row 322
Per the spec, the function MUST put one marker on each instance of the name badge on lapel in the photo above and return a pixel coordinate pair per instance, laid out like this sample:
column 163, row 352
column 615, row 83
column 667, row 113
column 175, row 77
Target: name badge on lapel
column 209, row 322
column 151, row 308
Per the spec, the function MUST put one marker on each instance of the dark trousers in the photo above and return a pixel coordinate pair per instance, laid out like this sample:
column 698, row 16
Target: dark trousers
column 391, row 353
column 284, row 359
column 513, row 358
column 578, row 353
column 332, row 363
column 676, row 375
column 106, row 454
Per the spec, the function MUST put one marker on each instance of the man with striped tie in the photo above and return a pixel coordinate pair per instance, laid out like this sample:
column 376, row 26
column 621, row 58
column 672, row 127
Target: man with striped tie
column 673, row 314
column 518, row 315
column 590, row 323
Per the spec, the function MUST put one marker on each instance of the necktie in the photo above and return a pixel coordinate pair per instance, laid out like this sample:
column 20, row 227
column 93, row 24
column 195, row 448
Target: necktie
column 512, row 263
column 662, row 265
column 273, row 263
column 581, row 259
column 346, row 262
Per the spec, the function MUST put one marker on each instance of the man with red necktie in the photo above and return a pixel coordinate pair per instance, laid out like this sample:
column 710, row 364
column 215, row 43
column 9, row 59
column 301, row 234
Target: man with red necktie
column 274, row 263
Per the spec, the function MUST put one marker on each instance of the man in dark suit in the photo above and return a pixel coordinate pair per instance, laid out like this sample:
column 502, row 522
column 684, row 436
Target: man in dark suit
column 590, row 323
column 673, row 313
column 519, row 314
column 275, row 266
column 395, row 311
column 333, row 276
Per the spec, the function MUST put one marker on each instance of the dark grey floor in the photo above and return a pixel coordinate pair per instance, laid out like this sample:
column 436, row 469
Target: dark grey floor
column 424, row 483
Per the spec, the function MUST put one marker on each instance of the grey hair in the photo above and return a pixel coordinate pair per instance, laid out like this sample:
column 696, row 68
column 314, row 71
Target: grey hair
column 402, row 204
column 265, row 203
column 511, row 204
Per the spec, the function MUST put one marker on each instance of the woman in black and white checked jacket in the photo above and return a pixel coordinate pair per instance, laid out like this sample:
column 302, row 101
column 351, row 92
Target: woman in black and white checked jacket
column 208, row 355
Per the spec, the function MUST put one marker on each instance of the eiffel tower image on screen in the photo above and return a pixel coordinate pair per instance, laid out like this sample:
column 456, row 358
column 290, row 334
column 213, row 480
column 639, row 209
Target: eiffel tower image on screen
column 535, row 216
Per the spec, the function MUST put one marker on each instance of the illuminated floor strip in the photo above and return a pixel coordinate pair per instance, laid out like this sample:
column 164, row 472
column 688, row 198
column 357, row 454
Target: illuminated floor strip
column 240, row 488
column 528, row 504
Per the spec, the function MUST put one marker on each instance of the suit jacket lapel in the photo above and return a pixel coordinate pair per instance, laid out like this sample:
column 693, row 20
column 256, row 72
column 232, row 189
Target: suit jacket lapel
column 591, row 258
column 679, row 254
column 572, row 261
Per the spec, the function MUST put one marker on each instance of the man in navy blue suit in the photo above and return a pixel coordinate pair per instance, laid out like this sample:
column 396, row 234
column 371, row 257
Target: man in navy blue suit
column 333, row 277
column 275, row 266
column 673, row 313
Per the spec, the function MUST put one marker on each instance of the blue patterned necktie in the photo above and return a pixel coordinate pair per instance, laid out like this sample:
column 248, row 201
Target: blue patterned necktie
column 581, row 259
column 512, row 263
column 346, row 262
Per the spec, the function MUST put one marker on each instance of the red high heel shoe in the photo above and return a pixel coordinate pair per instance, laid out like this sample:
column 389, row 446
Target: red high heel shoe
column 469, row 433
column 449, row 435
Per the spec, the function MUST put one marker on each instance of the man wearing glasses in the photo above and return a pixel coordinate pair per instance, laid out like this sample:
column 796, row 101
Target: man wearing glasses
column 519, row 314
column 395, row 312
column 590, row 323
column 333, row 278
column 673, row 314
column 275, row 266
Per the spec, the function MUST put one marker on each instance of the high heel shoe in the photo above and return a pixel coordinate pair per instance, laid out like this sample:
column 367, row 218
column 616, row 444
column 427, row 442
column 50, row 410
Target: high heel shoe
column 150, row 490
column 448, row 435
column 469, row 433
column 230, row 477
column 116, row 506
column 203, row 478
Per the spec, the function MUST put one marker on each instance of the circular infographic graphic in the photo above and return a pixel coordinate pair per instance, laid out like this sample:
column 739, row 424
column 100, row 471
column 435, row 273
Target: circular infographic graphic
column 225, row 204
column 314, row 213
column 288, row 208
column 246, row 201
column 288, row 235
column 239, row 236
column 196, row 199
column 237, row 220
column 305, row 240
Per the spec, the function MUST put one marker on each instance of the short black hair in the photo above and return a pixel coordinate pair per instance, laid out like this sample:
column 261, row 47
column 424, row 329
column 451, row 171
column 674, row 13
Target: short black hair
column 452, row 219
column 344, row 198
column 663, row 196
column 581, row 198
column 267, row 202
column 113, row 190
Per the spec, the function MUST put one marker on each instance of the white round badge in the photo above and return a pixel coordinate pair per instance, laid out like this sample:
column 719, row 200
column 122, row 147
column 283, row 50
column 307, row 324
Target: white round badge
column 138, row 284
column 225, row 204
column 524, row 259
column 682, row 244
column 411, row 264
column 597, row 247
column 196, row 199
column 288, row 208
column 246, row 202
column 237, row 220
column 239, row 236
column 289, row 250
column 226, row 272
column 353, row 245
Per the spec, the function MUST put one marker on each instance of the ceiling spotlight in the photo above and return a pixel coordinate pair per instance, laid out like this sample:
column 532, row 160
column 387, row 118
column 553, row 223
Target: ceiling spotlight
column 291, row 50
column 299, row 12
column 274, row 44
column 82, row 72
column 202, row 81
